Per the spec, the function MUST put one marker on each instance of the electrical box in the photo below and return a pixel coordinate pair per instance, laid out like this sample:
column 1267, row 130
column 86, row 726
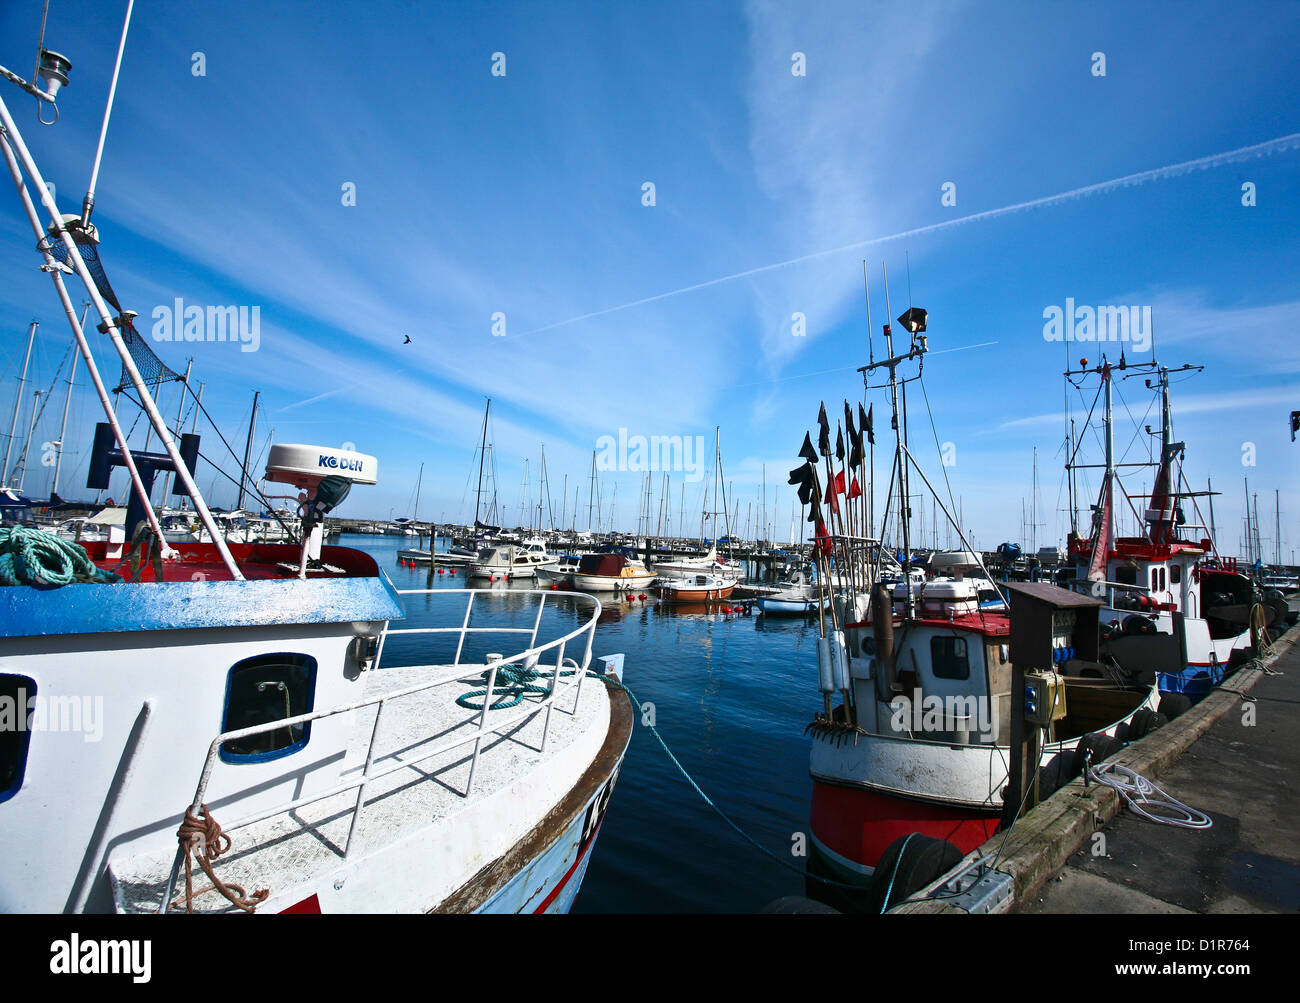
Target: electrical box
column 1050, row 625
column 1044, row 698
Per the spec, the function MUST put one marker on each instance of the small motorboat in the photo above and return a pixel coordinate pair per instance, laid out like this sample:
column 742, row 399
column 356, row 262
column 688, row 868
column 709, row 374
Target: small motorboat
column 617, row 569
column 697, row 588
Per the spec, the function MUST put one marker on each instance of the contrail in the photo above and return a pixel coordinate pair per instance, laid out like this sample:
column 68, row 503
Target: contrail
column 842, row 369
column 1278, row 145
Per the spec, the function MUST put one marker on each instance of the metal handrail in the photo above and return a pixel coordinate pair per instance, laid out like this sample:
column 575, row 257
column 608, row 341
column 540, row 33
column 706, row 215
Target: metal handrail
column 529, row 656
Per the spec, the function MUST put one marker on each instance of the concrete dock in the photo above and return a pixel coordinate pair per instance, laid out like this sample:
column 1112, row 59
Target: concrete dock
column 1235, row 756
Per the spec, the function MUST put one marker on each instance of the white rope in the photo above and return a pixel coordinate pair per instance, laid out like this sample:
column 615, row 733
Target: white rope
column 1140, row 794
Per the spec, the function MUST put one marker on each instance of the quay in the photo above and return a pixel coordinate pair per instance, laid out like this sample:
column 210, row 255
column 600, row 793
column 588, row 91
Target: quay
column 1233, row 756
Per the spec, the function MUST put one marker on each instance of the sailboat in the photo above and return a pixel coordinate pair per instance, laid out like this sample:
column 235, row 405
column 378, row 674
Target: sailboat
column 459, row 556
column 710, row 562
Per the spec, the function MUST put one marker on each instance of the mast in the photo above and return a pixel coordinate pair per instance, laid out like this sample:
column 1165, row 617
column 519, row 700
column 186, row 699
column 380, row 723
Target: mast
column 36, row 410
column 180, row 416
column 482, row 456
column 18, row 400
column 248, row 448
column 67, row 402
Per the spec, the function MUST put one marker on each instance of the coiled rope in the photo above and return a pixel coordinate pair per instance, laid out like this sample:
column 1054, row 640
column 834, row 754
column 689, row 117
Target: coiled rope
column 1141, row 794
column 202, row 839
column 512, row 684
column 35, row 557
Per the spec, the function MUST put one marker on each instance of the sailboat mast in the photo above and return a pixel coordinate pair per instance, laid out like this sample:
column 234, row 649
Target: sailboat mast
column 67, row 402
column 248, row 448
column 18, row 400
column 482, row 454
column 180, row 413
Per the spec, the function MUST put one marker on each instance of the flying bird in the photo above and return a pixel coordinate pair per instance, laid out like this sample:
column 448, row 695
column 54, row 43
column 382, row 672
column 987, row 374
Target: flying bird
column 407, row 341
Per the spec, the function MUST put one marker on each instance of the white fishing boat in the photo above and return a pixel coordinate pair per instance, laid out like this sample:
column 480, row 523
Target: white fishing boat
column 247, row 746
column 919, row 741
column 1174, row 602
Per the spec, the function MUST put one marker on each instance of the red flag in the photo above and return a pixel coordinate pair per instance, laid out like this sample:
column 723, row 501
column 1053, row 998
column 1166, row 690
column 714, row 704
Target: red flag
column 854, row 490
column 835, row 487
column 823, row 544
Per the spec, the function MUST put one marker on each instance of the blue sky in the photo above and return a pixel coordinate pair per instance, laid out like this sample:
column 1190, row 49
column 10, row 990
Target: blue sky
column 522, row 195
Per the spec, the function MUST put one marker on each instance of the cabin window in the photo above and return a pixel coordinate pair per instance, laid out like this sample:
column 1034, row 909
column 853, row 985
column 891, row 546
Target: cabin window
column 948, row 658
column 16, row 694
column 1175, row 573
column 1126, row 574
column 263, row 689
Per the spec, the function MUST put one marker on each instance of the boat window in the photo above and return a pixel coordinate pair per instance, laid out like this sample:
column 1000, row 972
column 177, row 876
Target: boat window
column 16, row 694
column 268, row 688
column 1126, row 574
column 1175, row 573
column 948, row 657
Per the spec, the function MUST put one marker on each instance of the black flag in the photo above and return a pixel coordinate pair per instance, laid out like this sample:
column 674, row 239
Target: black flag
column 855, row 438
column 807, row 451
column 824, row 437
column 803, row 476
column 814, row 502
column 839, row 442
column 867, row 424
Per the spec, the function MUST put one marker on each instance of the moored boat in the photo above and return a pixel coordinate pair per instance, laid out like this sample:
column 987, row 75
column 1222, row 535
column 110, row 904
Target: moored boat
column 247, row 681
column 699, row 588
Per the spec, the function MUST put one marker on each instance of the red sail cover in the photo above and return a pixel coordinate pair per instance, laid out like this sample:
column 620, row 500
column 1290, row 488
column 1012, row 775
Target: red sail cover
column 1101, row 539
column 1160, row 514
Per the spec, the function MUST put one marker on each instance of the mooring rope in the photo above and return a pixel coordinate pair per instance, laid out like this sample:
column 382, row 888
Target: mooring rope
column 202, row 839
column 718, row 811
column 512, row 683
column 35, row 557
column 1140, row 794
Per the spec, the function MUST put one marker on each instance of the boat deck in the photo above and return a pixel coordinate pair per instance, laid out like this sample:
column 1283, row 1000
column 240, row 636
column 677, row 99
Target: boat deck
column 257, row 561
column 515, row 784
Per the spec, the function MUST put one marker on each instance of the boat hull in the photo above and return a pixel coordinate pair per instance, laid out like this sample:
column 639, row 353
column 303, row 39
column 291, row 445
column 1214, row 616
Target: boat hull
column 853, row 826
column 603, row 583
column 670, row 594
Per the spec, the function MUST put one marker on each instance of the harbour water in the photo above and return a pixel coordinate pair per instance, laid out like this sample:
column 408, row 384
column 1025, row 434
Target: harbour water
column 731, row 696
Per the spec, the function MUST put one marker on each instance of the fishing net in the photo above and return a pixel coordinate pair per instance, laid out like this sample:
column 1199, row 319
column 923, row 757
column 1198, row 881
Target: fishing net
column 152, row 369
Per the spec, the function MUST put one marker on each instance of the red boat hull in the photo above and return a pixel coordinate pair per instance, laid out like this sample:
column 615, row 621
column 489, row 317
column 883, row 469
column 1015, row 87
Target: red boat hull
column 857, row 824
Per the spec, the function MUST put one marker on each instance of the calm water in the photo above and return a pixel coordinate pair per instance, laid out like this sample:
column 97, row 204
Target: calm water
column 731, row 695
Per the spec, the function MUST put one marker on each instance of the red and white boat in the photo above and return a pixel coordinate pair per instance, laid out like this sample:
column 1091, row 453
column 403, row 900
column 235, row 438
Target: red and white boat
column 919, row 740
column 698, row 588
column 1175, row 603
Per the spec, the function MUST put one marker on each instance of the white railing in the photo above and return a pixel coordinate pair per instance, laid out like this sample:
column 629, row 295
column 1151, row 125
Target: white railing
column 529, row 657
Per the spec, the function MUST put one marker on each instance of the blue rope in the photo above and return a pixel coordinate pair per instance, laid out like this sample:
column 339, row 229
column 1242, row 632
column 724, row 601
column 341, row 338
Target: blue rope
column 37, row 558
column 890, row 890
column 512, row 683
